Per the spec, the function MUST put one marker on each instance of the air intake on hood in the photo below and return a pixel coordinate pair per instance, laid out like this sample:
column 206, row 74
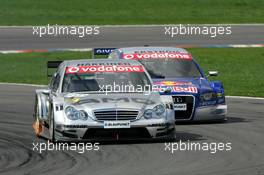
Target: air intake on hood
column 116, row 115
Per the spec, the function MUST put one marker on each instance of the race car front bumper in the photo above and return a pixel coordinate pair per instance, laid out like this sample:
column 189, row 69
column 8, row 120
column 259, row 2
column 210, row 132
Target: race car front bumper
column 207, row 113
column 140, row 129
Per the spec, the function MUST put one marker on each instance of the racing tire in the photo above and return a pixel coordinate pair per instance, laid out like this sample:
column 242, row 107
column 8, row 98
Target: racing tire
column 172, row 137
column 51, row 128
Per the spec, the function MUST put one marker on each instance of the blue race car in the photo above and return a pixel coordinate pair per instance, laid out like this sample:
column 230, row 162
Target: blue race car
column 174, row 72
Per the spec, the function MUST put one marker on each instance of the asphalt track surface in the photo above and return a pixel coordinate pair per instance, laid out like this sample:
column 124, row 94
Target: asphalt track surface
column 17, row 38
column 244, row 129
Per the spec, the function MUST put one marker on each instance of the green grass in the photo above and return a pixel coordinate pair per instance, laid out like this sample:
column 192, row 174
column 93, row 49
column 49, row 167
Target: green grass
column 32, row 12
column 31, row 67
column 240, row 69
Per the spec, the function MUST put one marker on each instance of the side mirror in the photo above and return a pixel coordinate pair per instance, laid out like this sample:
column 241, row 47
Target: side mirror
column 54, row 74
column 46, row 91
column 167, row 90
column 213, row 73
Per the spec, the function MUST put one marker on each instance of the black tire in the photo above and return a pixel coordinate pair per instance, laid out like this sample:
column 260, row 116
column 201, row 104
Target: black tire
column 51, row 128
column 172, row 137
column 225, row 120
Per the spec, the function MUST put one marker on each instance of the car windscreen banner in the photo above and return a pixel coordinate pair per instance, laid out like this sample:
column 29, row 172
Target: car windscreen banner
column 172, row 55
column 95, row 69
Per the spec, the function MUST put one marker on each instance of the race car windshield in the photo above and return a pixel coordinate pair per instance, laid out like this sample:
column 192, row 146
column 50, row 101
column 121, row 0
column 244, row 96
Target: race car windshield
column 171, row 68
column 102, row 81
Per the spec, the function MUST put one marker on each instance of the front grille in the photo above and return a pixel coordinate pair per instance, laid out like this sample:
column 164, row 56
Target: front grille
column 187, row 114
column 116, row 115
column 116, row 134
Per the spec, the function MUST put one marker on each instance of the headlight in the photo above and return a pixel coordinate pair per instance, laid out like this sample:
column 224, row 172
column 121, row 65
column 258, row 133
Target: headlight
column 219, row 95
column 156, row 112
column 208, row 96
column 74, row 114
column 148, row 113
column 159, row 109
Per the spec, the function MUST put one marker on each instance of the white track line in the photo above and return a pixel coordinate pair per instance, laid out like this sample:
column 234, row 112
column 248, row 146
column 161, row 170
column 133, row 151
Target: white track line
column 90, row 49
column 23, row 84
column 141, row 25
column 243, row 97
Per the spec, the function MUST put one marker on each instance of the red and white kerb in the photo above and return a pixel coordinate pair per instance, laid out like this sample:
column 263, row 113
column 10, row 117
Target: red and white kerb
column 93, row 69
column 172, row 55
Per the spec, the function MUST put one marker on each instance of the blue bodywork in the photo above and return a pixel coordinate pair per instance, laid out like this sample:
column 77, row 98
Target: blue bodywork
column 203, row 85
column 208, row 96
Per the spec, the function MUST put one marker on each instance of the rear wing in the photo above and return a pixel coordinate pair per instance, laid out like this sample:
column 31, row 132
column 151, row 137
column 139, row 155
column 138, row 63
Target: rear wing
column 101, row 51
column 95, row 52
column 52, row 65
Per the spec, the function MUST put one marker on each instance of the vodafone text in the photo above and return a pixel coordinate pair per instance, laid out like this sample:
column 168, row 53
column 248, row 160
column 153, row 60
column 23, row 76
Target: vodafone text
column 93, row 69
column 176, row 55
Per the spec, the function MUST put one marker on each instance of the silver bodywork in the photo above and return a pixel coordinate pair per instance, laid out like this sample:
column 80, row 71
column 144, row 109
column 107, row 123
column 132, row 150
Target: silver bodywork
column 123, row 108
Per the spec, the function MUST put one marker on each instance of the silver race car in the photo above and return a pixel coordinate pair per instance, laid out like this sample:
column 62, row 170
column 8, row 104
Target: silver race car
column 85, row 101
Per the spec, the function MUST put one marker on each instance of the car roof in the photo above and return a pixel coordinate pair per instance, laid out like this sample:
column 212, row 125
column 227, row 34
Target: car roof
column 99, row 61
column 151, row 49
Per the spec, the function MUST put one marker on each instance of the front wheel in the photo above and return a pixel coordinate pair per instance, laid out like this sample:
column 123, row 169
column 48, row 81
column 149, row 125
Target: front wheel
column 51, row 128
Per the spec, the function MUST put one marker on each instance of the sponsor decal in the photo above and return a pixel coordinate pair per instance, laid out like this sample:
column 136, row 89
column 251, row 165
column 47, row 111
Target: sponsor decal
column 208, row 103
column 116, row 100
column 180, row 107
column 116, row 124
column 74, row 126
column 103, row 64
column 92, row 69
column 172, row 83
column 73, row 100
column 175, row 87
column 103, row 51
column 190, row 89
column 172, row 55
